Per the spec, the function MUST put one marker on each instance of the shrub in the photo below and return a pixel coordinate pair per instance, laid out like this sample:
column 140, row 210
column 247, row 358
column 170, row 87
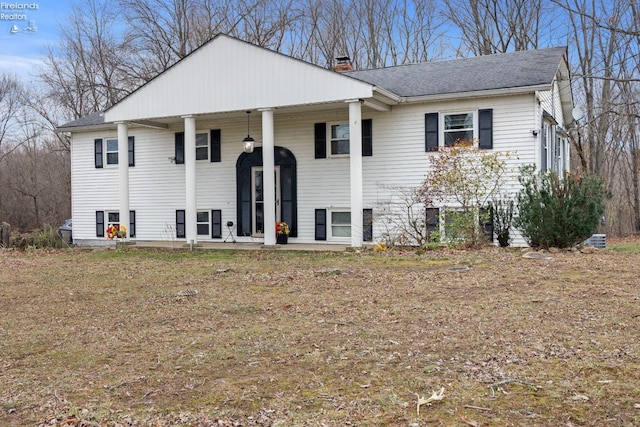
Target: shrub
column 559, row 211
column 464, row 179
column 503, row 210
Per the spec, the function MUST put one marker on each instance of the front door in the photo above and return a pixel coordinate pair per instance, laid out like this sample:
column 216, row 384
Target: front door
column 257, row 197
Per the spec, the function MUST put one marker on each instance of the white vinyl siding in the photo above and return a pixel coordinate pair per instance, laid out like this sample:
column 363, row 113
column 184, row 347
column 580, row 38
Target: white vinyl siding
column 201, row 86
column 157, row 184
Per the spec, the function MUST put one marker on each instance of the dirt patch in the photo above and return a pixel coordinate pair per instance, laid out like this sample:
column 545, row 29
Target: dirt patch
column 164, row 338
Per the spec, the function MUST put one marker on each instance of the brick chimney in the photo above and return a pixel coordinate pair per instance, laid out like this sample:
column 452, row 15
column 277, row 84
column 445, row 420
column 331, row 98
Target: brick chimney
column 343, row 65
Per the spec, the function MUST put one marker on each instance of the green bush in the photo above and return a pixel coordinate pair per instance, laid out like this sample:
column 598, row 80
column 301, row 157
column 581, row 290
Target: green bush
column 559, row 211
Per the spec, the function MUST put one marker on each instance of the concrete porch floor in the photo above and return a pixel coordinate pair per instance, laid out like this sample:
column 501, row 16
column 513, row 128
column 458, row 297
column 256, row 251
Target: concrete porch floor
column 241, row 246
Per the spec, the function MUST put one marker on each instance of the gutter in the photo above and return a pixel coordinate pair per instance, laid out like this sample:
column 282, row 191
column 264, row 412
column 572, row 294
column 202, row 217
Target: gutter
column 475, row 94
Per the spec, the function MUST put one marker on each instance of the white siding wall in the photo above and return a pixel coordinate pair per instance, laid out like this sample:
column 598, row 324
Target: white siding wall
column 399, row 159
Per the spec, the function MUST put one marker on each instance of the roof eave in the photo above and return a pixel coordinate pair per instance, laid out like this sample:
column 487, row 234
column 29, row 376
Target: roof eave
column 107, row 125
column 476, row 94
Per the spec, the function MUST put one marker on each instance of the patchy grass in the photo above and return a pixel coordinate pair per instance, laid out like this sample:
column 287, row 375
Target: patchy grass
column 297, row 338
column 627, row 247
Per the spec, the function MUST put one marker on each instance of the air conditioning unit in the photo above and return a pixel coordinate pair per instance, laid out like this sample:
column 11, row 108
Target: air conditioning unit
column 597, row 241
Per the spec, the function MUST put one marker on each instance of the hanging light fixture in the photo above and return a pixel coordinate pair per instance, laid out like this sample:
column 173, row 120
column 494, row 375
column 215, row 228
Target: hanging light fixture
column 248, row 142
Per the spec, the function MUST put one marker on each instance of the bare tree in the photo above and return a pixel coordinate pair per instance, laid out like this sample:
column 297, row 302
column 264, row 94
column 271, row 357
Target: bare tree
column 85, row 73
column 11, row 103
column 498, row 26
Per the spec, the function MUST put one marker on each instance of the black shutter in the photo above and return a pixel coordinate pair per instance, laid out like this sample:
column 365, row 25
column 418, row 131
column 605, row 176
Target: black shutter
column 433, row 221
column 431, row 132
column 244, row 211
column 132, row 224
column 132, row 151
column 216, row 224
column 367, row 223
column 179, row 148
column 487, row 225
column 97, row 151
column 321, row 224
column 320, row 132
column 216, row 145
column 100, row 223
column 367, row 137
column 485, row 128
column 181, row 232
column 288, row 207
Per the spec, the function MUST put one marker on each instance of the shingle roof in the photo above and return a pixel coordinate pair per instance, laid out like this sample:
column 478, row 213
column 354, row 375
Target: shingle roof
column 489, row 72
column 507, row 70
column 93, row 119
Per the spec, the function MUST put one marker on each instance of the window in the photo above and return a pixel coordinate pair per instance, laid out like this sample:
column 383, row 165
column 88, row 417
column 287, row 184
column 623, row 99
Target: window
column 334, row 138
column 458, row 128
column 202, row 147
column 340, row 224
column 339, row 139
column 202, row 223
column 113, row 218
column 110, row 148
column 433, row 221
column 112, row 151
column 445, row 130
column 454, row 224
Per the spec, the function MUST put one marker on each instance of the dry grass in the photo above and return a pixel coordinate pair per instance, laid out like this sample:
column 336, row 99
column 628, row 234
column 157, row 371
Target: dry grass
column 281, row 338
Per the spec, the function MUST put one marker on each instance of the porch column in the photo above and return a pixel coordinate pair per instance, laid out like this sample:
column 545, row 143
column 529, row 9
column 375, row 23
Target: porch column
column 123, row 172
column 268, row 177
column 355, row 168
column 190, row 179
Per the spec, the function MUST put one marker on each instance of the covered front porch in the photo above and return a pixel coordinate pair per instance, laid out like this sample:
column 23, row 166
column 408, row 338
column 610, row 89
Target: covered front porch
column 283, row 88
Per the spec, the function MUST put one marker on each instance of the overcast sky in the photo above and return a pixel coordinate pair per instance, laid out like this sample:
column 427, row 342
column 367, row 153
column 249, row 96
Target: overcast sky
column 26, row 27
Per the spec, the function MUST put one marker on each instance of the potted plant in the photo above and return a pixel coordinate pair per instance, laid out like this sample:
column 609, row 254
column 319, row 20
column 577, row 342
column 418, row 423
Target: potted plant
column 115, row 231
column 282, row 232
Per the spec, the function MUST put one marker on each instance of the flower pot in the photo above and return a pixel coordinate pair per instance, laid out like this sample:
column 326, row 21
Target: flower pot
column 282, row 239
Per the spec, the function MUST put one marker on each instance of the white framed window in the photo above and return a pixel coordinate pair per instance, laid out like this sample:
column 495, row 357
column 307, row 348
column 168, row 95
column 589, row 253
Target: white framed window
column 338, row 139
column 112, row 151
column 202, row 146
column 113, row 218
column 340, row 224
column 202, row 223
column 458, row 127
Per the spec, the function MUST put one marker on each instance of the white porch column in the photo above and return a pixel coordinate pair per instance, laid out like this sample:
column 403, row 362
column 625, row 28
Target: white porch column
column 355, row 163
column 268, row 177
column 190, row 212
column 123, row 172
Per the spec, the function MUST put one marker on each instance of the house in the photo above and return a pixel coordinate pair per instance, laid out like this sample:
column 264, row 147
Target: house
column 235, row 137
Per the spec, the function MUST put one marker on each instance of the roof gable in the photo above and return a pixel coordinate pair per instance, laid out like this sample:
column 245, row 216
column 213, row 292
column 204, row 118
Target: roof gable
column 490, row 72
column 228, row 74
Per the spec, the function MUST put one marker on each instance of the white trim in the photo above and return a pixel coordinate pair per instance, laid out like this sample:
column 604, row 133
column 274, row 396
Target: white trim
column 269, row 178
column 355, row 173
column 330, row 236
column 208, row 137
column 441, row 124
column 107, row 151
column 343, row 123
column 208, row 222
column 190, row 179
column 123, row 173
column 475, row 94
